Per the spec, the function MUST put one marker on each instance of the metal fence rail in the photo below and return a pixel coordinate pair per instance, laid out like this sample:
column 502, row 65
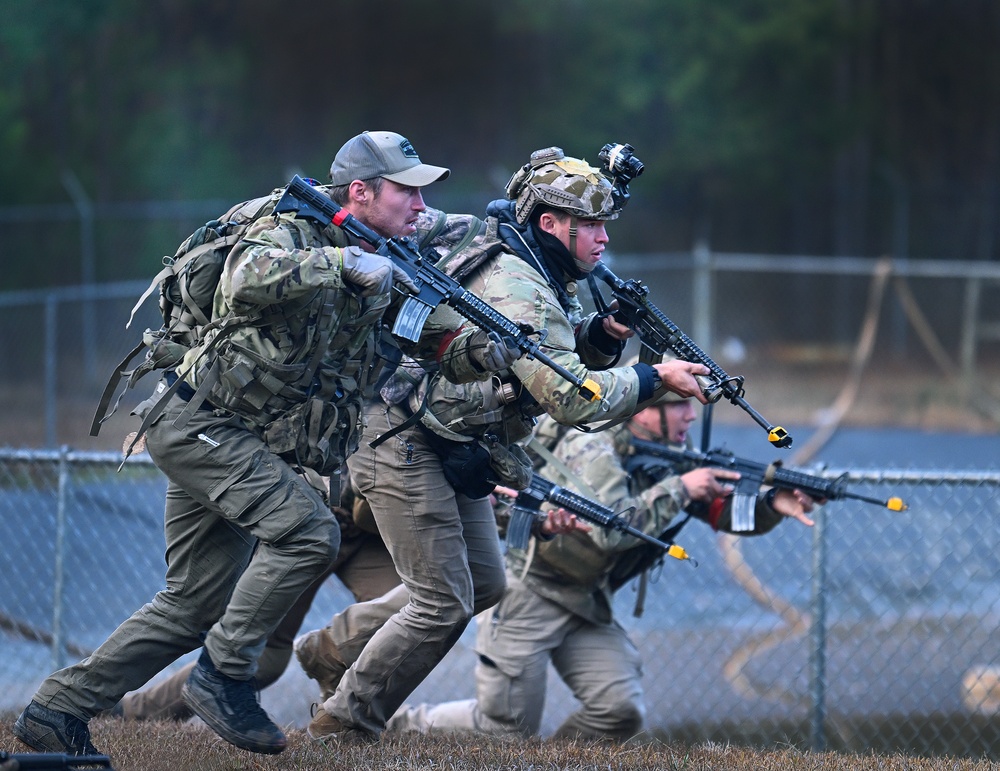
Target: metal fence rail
column 874, row 631
column 61, row 343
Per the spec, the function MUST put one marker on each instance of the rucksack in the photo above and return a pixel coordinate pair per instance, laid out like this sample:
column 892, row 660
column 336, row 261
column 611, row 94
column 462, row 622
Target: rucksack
column 189, row 281
column 187, row 286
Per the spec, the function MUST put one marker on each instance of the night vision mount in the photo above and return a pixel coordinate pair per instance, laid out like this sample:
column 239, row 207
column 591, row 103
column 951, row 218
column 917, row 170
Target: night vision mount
column 621, row 166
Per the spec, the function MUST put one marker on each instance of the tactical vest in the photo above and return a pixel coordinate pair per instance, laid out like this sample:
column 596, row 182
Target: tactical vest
column 303, row 397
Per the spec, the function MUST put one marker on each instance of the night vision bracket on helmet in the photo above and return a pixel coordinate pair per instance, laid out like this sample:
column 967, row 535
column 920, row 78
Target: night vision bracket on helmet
column 621, row 166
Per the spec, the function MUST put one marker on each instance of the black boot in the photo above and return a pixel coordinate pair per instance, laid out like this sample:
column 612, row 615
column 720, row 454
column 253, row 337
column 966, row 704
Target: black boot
column 231, row 709
column 45, row 730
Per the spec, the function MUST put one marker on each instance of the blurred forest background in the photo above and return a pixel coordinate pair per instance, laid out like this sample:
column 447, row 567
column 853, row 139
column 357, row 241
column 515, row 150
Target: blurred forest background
column 843, row 127
column 798, row 129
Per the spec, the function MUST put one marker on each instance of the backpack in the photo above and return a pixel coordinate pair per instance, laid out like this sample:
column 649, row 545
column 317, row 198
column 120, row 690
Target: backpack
column 187, row 286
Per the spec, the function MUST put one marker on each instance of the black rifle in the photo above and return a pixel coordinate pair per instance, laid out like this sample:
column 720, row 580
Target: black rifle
column 434, row 285
column 753, row 475
column 526, row 509
column 51, row 761
column 658, row 334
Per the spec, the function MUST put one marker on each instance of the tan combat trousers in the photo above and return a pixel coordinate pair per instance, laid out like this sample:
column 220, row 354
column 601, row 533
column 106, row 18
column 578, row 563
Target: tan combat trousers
column 515, row 641
column 446, row 550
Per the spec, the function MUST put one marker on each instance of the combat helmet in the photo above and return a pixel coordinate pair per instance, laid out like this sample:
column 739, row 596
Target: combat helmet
column 569, row 184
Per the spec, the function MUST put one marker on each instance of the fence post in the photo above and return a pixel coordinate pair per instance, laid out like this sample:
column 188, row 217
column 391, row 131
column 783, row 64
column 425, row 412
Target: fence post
column 51, row 364
column 701, row 291
column 85, row 211
column 817, row 634
column 58, row 580
column 970, row 319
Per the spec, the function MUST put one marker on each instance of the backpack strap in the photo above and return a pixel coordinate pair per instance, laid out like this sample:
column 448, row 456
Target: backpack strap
column 434, row 231
column 154, row 285
column 116, row 377
column 219, row 243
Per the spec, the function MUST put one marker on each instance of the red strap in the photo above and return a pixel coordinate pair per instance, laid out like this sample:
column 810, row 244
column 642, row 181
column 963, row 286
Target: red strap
column 446, row 342
column 715, row 511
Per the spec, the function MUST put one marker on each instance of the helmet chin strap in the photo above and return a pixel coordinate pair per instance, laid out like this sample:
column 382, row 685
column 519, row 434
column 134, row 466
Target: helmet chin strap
column 642, row 431
column 582, row 265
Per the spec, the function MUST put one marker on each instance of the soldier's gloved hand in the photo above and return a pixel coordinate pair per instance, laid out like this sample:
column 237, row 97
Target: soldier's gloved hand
column 489, row 353
column 372, row 273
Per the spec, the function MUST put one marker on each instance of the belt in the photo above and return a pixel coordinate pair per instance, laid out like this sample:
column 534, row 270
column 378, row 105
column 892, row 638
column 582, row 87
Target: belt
column 184, row 390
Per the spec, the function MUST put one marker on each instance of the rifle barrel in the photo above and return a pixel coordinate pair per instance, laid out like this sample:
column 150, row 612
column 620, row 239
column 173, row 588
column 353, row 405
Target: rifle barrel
column 595, row 513
column 772, row 474
column 685, row 348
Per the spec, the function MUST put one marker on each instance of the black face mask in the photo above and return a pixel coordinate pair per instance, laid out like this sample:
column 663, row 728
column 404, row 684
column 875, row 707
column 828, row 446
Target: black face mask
column 557, row 256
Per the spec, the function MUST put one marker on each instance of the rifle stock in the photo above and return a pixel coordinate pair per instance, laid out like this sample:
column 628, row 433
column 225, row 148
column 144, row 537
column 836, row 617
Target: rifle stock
column 434, row 285
column 659, row 334
column 771, row 474
column 528, row 504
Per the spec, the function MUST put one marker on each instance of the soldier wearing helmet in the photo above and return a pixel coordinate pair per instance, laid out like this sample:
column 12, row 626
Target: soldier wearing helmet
column 564, row 187
column 558, row 603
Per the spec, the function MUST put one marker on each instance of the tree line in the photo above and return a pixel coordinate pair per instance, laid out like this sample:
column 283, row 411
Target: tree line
column 860, row 127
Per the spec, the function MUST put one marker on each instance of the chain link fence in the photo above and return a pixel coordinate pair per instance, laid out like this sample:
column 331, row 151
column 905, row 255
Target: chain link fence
column 873, row 631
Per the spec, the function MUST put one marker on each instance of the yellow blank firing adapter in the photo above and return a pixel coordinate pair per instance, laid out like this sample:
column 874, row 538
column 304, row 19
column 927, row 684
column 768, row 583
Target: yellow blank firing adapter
column 678, row 552
column 779, row 437
column 896, row 504
column 590, row 390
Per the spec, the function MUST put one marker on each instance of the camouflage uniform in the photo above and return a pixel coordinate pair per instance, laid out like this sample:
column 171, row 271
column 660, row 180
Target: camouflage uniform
column 245, row 534
column 365, row 569
column 444, row 542
column 558, row 606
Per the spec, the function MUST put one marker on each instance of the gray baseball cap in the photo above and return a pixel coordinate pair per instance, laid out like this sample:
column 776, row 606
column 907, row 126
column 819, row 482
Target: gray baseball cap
column 383, row 154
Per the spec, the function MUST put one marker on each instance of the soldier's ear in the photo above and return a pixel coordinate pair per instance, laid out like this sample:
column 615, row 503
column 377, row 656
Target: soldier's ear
column 548, row 222
column 358, row 192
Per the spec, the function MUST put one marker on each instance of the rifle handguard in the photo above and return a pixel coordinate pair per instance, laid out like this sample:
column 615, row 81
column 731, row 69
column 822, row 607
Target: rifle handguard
column 657, row 333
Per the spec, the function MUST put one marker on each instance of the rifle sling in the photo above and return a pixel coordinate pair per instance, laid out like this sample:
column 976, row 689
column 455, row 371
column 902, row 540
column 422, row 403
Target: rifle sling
column 412, row 420
column 536, row 446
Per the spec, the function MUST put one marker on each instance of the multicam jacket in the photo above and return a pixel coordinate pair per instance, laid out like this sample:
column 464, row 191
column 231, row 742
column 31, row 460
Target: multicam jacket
column 301, row 347
column 574, row 570
column 505, row 406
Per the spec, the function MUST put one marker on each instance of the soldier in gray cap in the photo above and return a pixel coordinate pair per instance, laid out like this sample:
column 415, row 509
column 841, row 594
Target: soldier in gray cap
column 274, row 388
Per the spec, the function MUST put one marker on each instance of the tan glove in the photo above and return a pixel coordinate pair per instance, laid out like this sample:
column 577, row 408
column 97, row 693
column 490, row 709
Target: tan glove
column 489, row 352
column 372, row 273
